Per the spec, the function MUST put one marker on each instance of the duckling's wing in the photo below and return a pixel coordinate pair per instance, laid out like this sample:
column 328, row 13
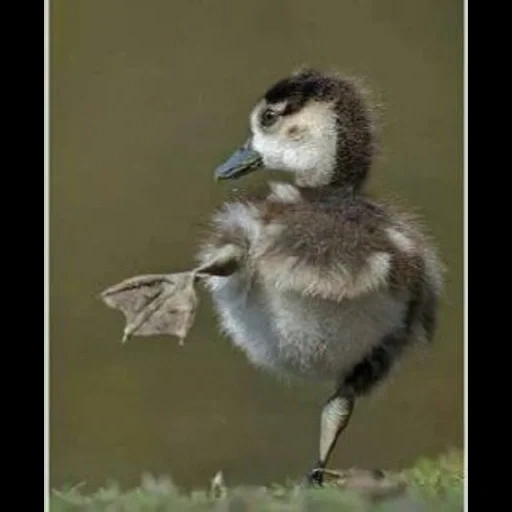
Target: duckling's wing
column 334, row 279
column 331, row 247
column 328, row 252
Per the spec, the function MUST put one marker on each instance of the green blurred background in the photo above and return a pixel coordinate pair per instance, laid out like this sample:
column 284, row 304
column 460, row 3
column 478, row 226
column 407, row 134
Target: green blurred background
column 146, row 97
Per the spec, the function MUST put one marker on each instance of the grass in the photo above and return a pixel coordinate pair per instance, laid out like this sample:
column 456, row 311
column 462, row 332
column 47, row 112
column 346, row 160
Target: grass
column 431, row 485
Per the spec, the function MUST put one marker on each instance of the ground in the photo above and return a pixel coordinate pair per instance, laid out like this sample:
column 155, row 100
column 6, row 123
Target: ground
column 431, row 485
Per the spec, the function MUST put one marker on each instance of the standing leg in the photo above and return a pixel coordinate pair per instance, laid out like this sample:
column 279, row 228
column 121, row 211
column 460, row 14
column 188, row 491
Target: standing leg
column 335, row 417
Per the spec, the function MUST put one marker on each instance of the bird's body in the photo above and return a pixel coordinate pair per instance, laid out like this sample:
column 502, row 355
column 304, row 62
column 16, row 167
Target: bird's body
column 314, row 278
column 321, row 286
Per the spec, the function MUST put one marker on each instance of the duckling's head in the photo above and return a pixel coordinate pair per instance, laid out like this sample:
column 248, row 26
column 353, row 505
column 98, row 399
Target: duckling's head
column 315, row 125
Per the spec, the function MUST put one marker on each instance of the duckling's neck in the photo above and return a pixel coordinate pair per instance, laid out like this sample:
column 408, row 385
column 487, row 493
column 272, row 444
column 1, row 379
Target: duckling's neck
column 350, row 177
column 342, row 181
column 355, row 148
column 331, row 194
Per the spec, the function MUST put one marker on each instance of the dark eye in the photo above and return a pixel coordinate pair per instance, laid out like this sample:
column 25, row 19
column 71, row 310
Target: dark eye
column 268, row 117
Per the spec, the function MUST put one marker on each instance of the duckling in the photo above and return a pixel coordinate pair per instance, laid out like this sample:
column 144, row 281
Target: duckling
column 314, row 279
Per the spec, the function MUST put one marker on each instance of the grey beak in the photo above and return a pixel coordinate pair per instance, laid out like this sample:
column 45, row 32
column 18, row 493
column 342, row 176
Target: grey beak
column 243, row 161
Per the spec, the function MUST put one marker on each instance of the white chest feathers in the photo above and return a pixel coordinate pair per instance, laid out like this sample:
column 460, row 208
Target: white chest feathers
column 303, row 336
